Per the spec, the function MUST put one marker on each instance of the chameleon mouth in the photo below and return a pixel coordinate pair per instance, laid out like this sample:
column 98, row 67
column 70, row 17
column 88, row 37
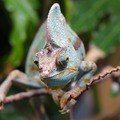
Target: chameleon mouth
column 72, row 70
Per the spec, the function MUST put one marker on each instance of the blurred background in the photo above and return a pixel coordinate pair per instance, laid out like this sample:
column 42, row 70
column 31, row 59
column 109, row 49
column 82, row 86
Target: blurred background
column 97, row 22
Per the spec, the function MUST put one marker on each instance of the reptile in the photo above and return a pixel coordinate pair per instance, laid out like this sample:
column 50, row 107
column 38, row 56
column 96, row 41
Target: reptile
column 55, row 61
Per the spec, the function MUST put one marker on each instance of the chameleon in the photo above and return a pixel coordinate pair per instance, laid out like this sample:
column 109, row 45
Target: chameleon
column 55, row 61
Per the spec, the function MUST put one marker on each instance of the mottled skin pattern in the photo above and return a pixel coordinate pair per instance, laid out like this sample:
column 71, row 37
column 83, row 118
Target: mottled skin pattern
column 59, row 61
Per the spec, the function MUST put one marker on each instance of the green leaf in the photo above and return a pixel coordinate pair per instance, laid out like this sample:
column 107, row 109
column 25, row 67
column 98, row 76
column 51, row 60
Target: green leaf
column 89, row 15
column 108, row 35
column 24, row 15
column 86, row 14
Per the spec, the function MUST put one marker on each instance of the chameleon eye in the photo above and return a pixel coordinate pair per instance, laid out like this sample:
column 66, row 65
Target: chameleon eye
column 35, row 58
column 36, row 62
column 67, row 59
column 63, row 62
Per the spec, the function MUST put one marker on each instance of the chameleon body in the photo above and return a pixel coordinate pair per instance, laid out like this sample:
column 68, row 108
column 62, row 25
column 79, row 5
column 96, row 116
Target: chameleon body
column 41, row 41
column 59, row 57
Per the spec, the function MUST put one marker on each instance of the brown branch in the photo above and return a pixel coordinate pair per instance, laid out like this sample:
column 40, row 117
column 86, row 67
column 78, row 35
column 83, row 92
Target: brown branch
column 43, row 91
column 99, row 77
column 26, row 95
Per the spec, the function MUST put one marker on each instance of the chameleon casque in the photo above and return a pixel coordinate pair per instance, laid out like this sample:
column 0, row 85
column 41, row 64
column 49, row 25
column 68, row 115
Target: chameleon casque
column 59, row 60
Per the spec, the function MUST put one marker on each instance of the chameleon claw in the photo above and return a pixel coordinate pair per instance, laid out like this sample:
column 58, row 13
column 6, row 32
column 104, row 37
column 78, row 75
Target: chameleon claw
column 68, row 106
column 63, row 111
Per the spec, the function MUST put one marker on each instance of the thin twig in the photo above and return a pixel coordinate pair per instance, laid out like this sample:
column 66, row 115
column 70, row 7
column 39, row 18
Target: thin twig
column 44, row 91
column 26, row 95
column 99, row 77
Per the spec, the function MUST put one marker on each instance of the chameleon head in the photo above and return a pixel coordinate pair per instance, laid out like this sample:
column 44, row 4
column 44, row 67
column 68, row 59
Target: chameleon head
column 45, row 60
column 56, row 67
column 56, row 61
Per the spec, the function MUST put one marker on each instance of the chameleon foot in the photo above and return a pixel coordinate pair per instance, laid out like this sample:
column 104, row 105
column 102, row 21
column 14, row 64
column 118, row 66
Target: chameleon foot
column 68, row 106
column 67, row 101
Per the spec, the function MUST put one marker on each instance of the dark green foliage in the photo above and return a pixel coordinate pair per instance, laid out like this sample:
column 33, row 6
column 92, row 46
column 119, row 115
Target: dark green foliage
column 24, row 17
column 11, row 113
column 101, row 18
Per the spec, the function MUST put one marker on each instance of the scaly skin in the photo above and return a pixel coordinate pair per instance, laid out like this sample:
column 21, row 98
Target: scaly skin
column 60, row 61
